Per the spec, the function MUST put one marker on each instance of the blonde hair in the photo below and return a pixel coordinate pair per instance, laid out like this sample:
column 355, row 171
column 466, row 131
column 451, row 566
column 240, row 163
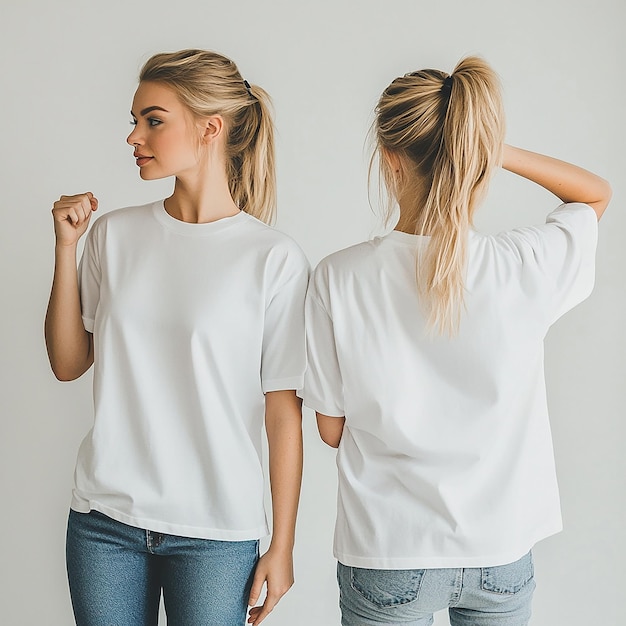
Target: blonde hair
column 209, row 83
column 447, row 132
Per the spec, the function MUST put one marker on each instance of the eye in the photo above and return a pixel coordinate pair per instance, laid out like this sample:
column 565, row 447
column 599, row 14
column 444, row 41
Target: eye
column 133, row 122
column 153, row 121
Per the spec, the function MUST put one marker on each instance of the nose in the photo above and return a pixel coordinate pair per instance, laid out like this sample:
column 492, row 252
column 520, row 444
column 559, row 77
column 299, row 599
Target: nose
column 134, row 138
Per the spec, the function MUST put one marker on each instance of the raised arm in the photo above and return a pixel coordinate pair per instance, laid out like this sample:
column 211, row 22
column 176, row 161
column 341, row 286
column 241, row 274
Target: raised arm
column 283, row 423
column 568, row 182
column 70, row 346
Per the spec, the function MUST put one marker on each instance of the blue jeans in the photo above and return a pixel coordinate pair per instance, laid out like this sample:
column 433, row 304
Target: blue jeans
column 483, row 596
column 117, row 573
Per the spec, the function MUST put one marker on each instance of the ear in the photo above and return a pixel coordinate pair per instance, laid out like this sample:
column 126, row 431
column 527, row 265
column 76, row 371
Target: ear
column 393, row 161
column 212, row 128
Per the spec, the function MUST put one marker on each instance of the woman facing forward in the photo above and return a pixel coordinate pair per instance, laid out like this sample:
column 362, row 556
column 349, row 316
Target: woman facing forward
column 192, row 310
column 426, row 363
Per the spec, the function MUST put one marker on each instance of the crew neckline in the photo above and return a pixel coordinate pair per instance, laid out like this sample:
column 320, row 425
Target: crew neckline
column 402, row 237
column 411, row 239
column 195, row 230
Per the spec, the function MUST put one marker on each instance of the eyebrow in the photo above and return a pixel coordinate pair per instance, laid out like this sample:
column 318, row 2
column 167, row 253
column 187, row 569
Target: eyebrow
column 149, row 110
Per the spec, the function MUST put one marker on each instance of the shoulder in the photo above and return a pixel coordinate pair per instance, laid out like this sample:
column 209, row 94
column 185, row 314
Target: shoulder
column 574, row 215
column 346, row 261
column 337, row 270
column 121, row 216
column 569, row 222
column 275, row 244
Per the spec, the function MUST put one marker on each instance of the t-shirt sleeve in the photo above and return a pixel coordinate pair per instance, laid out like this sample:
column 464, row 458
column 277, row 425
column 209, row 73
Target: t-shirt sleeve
column 323, row 385
column 559, row 256
column 89, row 281
column 283, row 359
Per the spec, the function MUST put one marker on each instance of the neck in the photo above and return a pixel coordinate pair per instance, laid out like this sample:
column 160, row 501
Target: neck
column 201, row 196
column 411, row 215
column 412, row 195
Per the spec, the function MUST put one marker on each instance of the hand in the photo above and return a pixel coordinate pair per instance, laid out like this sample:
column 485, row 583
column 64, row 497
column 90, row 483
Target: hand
column 71, row 216
column 276, row 569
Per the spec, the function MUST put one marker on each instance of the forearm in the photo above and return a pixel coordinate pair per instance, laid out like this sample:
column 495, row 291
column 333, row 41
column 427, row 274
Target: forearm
column 284, row 433
column 568, row 182
column 70, row 346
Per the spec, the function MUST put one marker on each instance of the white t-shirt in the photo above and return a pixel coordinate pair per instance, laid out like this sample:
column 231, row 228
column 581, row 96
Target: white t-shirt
column 192, row 324
column 446, row 456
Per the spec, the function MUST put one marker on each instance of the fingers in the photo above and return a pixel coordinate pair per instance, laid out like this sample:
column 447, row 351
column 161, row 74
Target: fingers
column 92, row 200
column 259, row 613
column 257, row 586
column 276, row 569
column 274, row 593
column 87, row 199
column 71, row 216
column 75, row 209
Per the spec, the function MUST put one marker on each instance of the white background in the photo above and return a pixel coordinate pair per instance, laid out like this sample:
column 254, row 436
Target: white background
column 68, row 73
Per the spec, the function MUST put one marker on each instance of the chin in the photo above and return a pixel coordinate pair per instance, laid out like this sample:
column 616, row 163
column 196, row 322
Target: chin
column 148, row 176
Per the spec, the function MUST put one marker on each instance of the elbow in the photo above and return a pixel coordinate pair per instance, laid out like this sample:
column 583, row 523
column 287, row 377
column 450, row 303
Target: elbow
column 608, row 191
column 68, row 365
column 605, row 195
column 66, row 372
column 330, row 429
column 62, row 376
column 65, row 375
column 333, row 442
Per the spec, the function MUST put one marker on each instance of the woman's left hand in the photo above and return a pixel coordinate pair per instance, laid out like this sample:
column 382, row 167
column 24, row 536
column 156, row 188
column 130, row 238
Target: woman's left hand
column 275, row 568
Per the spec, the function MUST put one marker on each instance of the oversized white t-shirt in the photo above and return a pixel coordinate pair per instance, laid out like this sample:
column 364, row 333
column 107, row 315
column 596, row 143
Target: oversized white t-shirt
column 446, row 457
column 192, row 324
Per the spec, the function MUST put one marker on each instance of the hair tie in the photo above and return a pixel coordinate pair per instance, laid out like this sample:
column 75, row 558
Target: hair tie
column 246, row 84
column 446, row 88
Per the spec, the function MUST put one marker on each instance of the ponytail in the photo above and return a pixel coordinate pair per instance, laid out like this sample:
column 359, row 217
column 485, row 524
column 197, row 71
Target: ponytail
column 448, row 133
column 209, row 83
column 251, row 167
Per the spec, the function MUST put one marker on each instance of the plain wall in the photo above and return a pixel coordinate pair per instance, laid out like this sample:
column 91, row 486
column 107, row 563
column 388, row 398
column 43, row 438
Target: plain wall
column 69, row 71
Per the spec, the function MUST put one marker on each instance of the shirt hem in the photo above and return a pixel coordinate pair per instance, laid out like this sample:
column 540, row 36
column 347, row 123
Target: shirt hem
column 318, row 407
column 89, row 324
column 282, row 384
column 180, row 530
column 442, row 562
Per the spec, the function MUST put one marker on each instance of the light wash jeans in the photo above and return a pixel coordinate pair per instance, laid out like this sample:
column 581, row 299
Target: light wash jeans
column 483, row 596
column 117, row 573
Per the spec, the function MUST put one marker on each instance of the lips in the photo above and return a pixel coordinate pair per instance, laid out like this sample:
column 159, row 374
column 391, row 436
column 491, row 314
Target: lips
column 142, row 159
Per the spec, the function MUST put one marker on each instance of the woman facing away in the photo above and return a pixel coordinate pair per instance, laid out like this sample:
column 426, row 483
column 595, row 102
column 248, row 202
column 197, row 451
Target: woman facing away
column 192, row 311
column 426, row 363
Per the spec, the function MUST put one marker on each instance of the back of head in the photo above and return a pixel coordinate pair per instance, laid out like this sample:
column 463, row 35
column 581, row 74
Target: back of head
column 447, row 132
column 209, row 83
